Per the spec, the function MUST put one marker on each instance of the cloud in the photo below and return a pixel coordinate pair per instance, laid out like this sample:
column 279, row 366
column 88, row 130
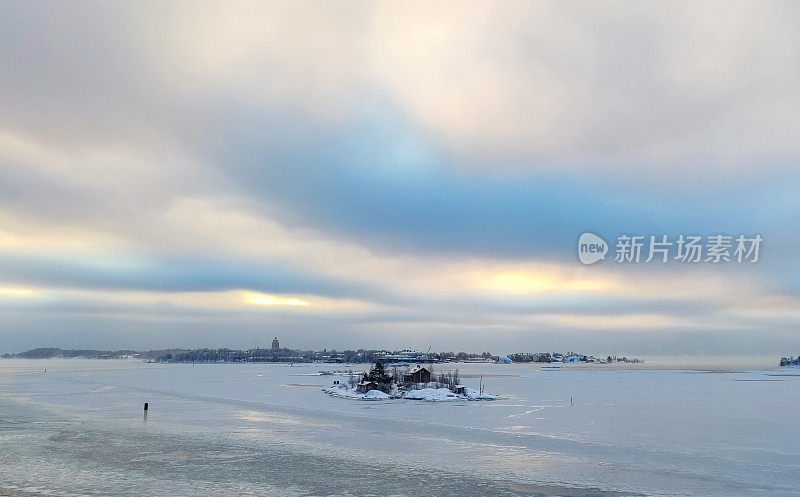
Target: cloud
column 183, row 274
column 644, row 88
column 410, row 169
column 382, row 181
column 628, row 89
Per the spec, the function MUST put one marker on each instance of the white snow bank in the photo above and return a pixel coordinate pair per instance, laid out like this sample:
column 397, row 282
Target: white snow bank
column 472, row 394
column 343, row 391
column 444, row 394
column 432, row 394
column 351, row 393
column 376, row 394
column 429, row 394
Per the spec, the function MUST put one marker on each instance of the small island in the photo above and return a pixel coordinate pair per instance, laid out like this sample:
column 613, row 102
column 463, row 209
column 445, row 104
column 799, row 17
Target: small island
column 405, row 382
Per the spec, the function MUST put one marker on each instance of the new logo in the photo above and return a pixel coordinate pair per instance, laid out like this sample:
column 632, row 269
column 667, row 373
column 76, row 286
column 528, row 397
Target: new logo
column 591, row 248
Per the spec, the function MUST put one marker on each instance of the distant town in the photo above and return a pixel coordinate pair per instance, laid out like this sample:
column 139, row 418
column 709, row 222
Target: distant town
column 276, row 353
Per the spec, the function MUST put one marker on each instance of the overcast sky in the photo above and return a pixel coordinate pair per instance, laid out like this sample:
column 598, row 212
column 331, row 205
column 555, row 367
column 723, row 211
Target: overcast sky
column 396, row 174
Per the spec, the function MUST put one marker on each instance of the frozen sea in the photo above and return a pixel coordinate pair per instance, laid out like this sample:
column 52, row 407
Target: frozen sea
column 268, row 429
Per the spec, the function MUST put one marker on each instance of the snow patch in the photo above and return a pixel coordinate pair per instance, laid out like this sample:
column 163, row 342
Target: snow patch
column 432, row 395
column 351, row 393
column 444, row 394
column 429, row 394
column 376, row 394
column 473, row 394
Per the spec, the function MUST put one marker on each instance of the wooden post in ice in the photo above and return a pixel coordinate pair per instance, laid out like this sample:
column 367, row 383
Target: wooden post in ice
column 145, row 411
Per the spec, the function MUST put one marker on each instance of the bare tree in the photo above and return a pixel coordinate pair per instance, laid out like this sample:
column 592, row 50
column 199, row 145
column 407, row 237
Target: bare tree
column 353, row 380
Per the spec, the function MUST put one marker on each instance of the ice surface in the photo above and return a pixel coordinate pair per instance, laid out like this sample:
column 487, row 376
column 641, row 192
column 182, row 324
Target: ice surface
column 269, row 429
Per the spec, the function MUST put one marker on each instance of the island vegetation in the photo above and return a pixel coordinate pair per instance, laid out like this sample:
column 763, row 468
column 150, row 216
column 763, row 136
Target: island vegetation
column 405, row 382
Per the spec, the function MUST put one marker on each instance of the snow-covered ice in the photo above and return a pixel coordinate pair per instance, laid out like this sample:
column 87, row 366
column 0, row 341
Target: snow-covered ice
column 225, row 429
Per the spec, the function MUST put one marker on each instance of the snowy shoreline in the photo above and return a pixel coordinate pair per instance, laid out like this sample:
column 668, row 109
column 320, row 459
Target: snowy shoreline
column 428, row 394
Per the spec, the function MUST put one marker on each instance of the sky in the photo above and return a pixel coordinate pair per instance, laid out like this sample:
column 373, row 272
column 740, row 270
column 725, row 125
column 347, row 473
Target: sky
column 397, row 174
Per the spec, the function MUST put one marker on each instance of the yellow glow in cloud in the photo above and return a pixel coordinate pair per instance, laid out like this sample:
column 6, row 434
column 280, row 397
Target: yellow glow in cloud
column 518, row 281
column 526, row 281
column 16, row 292
column 257, row 298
